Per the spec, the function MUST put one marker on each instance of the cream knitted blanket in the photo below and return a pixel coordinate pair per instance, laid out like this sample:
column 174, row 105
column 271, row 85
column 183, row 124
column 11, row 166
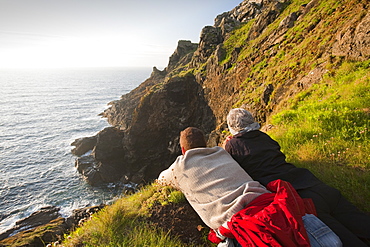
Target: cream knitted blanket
column 213, row 183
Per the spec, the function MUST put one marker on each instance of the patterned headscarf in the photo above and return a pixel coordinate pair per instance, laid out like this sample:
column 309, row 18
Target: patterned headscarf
column 241, row 120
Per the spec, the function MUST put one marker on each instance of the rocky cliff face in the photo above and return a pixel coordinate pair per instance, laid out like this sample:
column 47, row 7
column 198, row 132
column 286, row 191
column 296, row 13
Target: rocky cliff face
column 257, row 55
column 144, row 139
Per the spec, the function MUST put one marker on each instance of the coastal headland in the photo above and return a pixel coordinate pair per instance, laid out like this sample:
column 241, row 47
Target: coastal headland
column 264, row 55
column 249, row 57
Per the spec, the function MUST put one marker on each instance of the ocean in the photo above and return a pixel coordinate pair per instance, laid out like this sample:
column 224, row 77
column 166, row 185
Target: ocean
column 41, row 113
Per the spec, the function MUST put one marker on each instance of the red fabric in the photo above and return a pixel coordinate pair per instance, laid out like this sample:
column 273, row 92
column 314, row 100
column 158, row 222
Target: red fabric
column 309, row 206
column 272, row 220
column 268, row 219
column 225, row 232
column 212, row 236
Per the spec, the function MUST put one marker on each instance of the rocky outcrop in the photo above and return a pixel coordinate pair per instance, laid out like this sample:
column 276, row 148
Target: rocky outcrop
column 83, row 145
column 104, row 164
column 182, row 55
column 353, row 41
column 41, row 217
column 150, row 117
column 203, row 81
column 210, row 37
column 142, row 145
column 45, row 226
column 245, row 11
column 152, row 139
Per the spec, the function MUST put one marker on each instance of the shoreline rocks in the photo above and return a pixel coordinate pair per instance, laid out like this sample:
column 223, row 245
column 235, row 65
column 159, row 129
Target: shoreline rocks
column 83, row 145
column 45, row 226
column 40, row 217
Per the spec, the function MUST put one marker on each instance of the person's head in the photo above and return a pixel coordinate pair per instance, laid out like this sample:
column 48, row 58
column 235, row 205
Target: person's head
column 238, row 119
column 191, row 138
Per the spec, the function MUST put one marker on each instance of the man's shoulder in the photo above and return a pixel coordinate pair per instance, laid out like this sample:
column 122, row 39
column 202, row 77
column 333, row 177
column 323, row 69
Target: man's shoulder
column 205, row 150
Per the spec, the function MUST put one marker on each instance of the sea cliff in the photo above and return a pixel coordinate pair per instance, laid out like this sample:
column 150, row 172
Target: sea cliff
column 264, row 55
column 259, row 55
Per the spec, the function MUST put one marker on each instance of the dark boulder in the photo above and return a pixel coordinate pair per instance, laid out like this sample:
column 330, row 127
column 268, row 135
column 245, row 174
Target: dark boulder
column 83, row 145
column 109, row 145
column 106, row 163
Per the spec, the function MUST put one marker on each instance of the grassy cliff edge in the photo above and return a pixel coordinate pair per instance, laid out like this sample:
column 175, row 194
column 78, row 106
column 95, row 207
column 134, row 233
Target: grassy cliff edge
column 304, row 67
column 318, row 110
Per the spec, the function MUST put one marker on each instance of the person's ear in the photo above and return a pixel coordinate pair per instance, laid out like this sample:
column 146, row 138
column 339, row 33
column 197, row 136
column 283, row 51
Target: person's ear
column 183, row 150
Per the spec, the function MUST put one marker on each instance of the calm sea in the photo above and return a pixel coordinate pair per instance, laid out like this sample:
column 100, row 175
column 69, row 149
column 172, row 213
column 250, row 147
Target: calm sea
column 41, row 113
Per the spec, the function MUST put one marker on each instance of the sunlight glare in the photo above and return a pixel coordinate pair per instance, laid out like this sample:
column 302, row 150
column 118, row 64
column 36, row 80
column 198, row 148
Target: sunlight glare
column 82, row 52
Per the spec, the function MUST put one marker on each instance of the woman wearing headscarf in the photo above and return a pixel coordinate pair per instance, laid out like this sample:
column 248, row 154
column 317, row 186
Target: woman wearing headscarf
column 260, row 156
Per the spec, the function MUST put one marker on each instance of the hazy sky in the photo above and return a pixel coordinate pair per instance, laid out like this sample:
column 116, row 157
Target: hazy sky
column 75, row 33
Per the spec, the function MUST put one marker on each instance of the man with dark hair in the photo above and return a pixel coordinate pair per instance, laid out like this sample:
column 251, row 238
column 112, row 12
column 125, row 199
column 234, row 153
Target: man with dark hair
column 260, row 156
column 231, row 203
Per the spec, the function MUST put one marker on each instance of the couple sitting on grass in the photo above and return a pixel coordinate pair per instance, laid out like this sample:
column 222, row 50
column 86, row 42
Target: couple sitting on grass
column 249, row 196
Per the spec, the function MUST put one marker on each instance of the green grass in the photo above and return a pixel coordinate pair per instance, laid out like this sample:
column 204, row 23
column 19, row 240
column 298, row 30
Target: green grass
column 302, row 48
column 123, row 223
column 326, row 129
column 237, row 39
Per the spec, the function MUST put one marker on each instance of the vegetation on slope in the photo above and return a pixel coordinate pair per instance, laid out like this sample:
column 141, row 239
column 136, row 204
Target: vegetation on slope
column 128, row 222
column 276, row 60
column 324, row 128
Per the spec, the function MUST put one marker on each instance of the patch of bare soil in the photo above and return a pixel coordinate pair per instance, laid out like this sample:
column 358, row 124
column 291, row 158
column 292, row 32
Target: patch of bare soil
column 182, row 221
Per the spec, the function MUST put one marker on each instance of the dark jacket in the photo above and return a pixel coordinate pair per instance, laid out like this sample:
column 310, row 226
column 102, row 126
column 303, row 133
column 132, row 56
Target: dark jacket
column 261, row 158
